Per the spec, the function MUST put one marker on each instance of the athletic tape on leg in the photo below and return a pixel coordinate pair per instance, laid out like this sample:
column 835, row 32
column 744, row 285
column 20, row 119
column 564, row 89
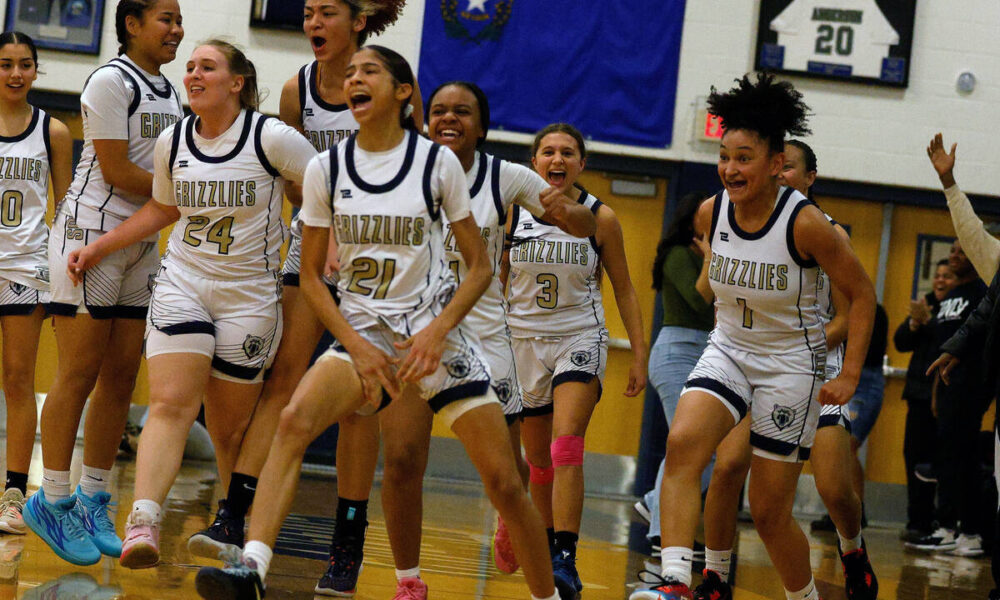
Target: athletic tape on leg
column 541, row 475
column 567, row 451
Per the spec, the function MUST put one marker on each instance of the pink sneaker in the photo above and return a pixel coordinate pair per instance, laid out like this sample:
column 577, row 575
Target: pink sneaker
column 503, row 550
column 11, row 507
column 141, row 548
column 410, row 588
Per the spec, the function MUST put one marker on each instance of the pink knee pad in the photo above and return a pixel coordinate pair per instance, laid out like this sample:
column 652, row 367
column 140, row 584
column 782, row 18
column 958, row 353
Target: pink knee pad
column 541, row 475
column 567, row 451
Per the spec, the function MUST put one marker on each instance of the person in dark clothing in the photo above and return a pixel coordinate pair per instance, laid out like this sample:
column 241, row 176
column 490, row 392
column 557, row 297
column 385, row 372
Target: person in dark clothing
column 975, row 338
column 915, row 334
column 960, row 404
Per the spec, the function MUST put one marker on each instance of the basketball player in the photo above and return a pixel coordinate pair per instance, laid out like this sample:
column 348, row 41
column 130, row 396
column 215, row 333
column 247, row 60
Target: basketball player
column 312, row 102
column 99, row 324
column 832, row 457
column 215, row 314
column 459, row 117
column 560, row 342
column 398, row 324
column 767, row 353
column 33, row 148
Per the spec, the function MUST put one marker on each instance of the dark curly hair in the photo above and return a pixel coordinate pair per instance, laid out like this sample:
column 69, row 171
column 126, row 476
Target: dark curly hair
column 771, row 109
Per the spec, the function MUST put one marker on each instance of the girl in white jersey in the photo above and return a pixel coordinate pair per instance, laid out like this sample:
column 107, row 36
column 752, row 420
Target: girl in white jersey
column 560, row 343
column 33, row 148
column 398, row 324
column 459, row 119
column 312, row 102
column 215, row 314
column 831, row 455
column 766, row 357
column 99, row 324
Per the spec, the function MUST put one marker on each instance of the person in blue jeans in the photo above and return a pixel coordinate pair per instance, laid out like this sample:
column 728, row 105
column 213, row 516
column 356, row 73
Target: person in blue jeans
column 680, row 274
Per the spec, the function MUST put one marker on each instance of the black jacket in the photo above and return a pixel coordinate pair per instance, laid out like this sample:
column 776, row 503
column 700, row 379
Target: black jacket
column 976, row 339
column 925, row 351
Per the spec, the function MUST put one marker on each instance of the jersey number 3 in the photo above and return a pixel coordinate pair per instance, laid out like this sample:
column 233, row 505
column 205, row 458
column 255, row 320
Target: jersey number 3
column 548, row 297
column 747, row 313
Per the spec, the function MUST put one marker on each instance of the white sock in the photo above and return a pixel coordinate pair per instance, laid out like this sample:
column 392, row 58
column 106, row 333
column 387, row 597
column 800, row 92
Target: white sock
column 719, row 561
column 676, row 564
column 55, row 484
column 849, row 544
column 807, row 593
column 147, row 507
column 554, row 596
column 414, row 572
column 95, row 480
column 260, row 554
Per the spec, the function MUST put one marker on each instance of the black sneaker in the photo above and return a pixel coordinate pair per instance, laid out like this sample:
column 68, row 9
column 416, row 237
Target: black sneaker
column 341, row 577
column 240, row 582
column 225, row 534
column 860, row 582
column 941, row 540
column 712, row 587
column 925, row 472
column 567, row 580
column 824, row 523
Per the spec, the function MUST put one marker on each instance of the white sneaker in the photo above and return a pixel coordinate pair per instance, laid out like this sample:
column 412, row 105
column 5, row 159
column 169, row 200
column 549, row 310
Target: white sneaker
column 11, row 507
column 968, row 545
column 941, row 540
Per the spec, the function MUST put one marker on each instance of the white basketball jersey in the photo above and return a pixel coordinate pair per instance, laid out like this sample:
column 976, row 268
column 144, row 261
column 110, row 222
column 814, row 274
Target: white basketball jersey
column 489, row 208
column 765, row 293
column 230, row 205
column 824, row 296
column 325, row 124
column 389, row 237
column 852, row 33
column 91, row 200
column 24, row 195
column 554, row 278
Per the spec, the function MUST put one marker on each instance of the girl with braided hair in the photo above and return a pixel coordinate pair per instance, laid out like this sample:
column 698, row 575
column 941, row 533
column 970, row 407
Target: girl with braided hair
column 766, row 357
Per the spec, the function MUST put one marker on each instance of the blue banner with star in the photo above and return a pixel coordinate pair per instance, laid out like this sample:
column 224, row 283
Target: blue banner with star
column 609, row 67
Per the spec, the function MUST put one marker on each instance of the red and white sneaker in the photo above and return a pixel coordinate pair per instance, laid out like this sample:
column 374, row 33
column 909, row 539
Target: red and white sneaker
column 503, row 550
column 410, row 588
column 141, row 548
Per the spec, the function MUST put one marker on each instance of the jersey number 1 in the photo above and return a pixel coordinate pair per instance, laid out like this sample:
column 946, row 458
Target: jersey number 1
column 747, row 313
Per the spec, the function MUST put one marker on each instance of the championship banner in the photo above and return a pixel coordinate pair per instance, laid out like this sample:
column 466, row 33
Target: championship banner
column 609, row 68
column 856, row 40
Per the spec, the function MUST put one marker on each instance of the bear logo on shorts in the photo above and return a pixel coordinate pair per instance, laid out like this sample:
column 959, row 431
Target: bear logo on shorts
column 458, row 367
column 503, row 389
column 579, row 358
column 253, row 345
column 782, row 416
column 18, row 288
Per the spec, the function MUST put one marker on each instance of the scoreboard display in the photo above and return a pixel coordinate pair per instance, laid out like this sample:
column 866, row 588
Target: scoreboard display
column 277, row 14
column 866, row 41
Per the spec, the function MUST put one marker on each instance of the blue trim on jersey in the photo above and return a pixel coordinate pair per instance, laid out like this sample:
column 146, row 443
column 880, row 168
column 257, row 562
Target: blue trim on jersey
column 716, row 209
column 334, row 172
column 47, row 137
column 480, row 176
column 719, row 388
column 404, row 169
column 258, row 147
column 175, row 144
column 193, row 148
column 756, row 235
column 125, row 64
column 463, row 391
column 313, row 85
column 61, row 308
column 433, row 205
column 233, row 370
column 188, row 327
column 537, row 411
column 27, row 131
column 790, row 239
column 302, row 91
column 495, row 187
column 776, row 446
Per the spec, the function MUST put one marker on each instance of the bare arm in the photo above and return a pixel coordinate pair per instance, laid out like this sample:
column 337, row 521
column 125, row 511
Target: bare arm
column 119, row 171
column 427, row 345
column 572, row 217
column 612, row 245
column 702, row 231
column 290, row 113
column 61, row 167
column 816, row 238
column 836, row 329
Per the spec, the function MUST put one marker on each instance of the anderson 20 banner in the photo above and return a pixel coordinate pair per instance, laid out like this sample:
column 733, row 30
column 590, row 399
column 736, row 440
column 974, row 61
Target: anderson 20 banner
column 608, row 67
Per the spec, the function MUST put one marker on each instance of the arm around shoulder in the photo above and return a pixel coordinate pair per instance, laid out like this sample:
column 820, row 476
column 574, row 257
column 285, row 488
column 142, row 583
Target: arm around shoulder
column 61, row 160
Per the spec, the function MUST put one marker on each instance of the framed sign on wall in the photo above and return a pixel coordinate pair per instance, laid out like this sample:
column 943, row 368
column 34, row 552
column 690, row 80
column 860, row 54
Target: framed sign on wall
column 866, row 41
column 71, row 25
column 277, row 14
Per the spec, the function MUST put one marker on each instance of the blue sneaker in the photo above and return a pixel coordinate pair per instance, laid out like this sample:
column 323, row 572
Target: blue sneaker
column 567, row 580
column 60, row 527
column 98, row 524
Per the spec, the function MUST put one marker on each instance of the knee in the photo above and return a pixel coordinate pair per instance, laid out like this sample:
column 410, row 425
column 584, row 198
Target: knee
column 294, row 428
column 771, row 518
column 503, row 486
column 18, row 385
column 838, row 496
column 684, row 455
column 567, row 451
column 730, row 472
column 404, row 464
column 172, row 412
